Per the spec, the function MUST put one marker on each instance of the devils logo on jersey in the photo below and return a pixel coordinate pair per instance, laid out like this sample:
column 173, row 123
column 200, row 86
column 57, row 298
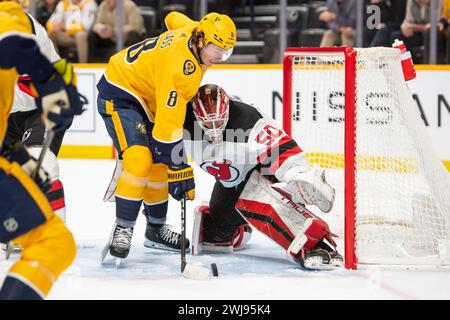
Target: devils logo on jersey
column 221, row 170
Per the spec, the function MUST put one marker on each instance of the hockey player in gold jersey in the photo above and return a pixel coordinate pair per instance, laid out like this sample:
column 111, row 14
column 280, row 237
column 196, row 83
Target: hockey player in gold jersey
column 142, row 99
column 26, row 216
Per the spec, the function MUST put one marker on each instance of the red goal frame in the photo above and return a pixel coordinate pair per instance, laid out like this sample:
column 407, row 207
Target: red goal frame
column 349, row 135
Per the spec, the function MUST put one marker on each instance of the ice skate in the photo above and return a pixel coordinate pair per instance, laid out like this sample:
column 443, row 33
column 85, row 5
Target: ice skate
column 323, row 257
column 161, row 237
column 119, row 244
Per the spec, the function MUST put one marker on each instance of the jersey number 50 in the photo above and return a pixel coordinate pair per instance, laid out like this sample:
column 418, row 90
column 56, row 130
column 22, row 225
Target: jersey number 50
column 135, row 50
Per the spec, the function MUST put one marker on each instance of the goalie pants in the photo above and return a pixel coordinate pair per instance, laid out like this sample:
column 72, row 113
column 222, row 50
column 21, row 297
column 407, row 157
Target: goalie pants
column 28, row 128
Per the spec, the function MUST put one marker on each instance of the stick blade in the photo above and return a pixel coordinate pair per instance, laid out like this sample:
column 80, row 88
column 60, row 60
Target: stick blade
column 195, row 272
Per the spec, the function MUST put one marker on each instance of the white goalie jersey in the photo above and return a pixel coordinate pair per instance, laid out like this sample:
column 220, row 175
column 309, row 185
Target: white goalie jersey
column 250, row 140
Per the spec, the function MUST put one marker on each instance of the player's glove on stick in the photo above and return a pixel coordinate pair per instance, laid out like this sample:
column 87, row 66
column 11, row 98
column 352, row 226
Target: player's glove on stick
column 58, row 98
column 181, row 181
column 18, row 153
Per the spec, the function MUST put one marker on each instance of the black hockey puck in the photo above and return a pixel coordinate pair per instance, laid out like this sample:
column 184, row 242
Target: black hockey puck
column 214, row 270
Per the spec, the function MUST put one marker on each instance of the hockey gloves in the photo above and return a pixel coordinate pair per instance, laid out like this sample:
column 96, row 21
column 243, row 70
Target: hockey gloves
column 181, row 181
column 19, row 154
column 58, row 98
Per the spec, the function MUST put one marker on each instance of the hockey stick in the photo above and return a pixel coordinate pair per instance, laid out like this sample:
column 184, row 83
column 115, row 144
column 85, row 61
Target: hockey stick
column 188, row 270
column 46, row 145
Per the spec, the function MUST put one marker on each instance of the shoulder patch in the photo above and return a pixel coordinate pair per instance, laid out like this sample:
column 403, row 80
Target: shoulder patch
column 189, row 67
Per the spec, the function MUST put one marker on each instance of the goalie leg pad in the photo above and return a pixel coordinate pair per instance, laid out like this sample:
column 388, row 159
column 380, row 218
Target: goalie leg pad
column 200, row 243
column 289, row 224
column 314, row 230
column 308, row 187
column 268, row 211
column 56, row 198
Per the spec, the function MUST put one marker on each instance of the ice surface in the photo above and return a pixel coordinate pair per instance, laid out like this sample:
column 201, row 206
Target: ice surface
column 260, row 272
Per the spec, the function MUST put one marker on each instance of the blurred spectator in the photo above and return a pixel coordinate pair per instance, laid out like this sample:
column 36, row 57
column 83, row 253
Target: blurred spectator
column 445, row 23
column 69, row 25
column 102, row 38
column 392, row 16
column 415, row 28
column 341, row 19
column 44, row 9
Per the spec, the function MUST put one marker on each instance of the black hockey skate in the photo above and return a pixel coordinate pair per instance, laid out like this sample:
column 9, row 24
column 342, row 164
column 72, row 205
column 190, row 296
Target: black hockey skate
column 323, row 257
column 119, row 243
column 159, row 236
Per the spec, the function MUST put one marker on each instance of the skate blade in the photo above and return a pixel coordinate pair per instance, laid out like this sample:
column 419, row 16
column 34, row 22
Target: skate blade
column 104, row 253
column 111, row 261
column 157, row 246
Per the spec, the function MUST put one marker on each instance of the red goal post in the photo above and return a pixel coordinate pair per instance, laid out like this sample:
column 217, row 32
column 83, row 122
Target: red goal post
column 350, row 100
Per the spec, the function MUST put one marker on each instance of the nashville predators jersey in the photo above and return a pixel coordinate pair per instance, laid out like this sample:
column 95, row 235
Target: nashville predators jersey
column 13, row 22
column 160, row 75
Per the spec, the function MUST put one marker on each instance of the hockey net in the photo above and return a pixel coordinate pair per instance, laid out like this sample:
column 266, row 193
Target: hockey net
column 392, row 192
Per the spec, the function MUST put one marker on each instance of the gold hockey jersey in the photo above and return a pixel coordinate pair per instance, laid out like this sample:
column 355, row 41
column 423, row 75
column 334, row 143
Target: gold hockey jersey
column 160, row 75
column 13, row 21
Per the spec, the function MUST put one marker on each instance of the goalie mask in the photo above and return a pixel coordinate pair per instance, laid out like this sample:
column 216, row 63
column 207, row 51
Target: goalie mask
column 211, row 109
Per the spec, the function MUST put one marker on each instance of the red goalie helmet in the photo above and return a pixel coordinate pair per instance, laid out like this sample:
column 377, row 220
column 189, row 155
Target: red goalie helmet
column 211, row 109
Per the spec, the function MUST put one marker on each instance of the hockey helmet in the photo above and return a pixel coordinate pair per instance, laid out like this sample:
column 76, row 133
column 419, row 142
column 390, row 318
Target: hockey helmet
column 218, row 29
column 211, row 109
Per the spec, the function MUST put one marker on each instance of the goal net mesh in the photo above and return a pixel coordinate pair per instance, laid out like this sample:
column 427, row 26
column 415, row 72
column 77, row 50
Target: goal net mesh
column 402, row 188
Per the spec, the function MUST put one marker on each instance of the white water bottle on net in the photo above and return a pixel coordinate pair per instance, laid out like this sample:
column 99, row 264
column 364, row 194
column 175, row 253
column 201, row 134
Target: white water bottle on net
column 352, row 113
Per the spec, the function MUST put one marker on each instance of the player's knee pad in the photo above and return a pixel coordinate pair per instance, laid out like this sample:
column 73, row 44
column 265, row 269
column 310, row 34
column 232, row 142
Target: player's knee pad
column 48, row 250
column 156, row 189
column 137, row 161
column 50, row 163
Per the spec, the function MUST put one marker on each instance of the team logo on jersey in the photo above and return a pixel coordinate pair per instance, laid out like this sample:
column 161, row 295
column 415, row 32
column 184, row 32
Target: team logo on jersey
column 26, row 135
column 11, row 225
column 189, row 67
column 221, row 170
column 141, row 128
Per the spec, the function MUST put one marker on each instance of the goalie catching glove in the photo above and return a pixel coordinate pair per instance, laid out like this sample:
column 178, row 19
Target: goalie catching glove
column 181, row 181
column 58, row 98
column 18, row 153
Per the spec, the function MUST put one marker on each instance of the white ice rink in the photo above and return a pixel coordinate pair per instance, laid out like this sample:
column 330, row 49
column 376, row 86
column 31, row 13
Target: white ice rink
column 259, row 272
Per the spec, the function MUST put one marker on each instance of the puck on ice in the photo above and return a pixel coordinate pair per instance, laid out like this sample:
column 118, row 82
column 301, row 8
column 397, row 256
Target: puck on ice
column 214, row 270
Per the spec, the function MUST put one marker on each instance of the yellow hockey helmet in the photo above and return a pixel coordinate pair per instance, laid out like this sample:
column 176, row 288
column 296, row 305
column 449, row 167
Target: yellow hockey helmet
column 218, row 29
